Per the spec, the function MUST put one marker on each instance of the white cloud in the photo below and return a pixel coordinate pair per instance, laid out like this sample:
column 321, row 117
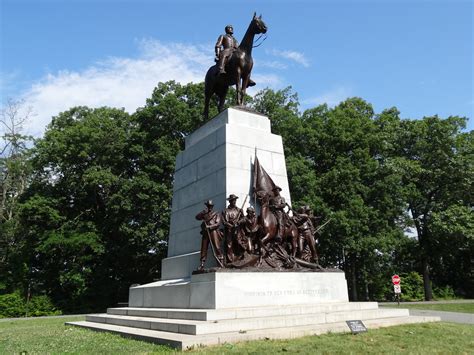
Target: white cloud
column 331, row 97
column 274, row 64
column 116, row 82
column 265, row 81
column 295, row 56
column 124, row 82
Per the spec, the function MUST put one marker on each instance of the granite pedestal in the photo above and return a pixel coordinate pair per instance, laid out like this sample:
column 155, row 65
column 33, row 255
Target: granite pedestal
column 217, row 161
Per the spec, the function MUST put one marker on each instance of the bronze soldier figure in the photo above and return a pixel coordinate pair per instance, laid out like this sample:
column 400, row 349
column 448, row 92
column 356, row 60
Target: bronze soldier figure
column 306, row 229
column 230, row 217
column 210, row 233
column 225, row 46
column 248, row 228
column 277, row 204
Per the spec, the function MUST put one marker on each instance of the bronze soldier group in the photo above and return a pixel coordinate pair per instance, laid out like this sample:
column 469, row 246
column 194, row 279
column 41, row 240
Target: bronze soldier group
column 244, row 240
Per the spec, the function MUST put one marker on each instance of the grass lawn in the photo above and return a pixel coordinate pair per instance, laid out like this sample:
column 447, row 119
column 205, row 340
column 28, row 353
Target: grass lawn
column 53, row 337
column 448, row 307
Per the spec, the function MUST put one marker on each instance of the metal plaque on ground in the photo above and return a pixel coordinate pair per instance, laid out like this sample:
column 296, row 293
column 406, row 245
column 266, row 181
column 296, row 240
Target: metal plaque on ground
column 356, row 326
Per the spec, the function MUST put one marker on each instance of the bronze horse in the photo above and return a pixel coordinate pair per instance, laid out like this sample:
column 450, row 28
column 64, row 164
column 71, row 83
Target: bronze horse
column 238, row 69
column 268, row 223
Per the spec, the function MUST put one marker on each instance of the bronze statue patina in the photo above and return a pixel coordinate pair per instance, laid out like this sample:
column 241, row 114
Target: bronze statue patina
column 271, row 240
column 225, row 46
column 306, row 229
column 230, row 217
column 234, row 65
column 277, row 205
column 248, row 232
column 269, row 223
column 211, row 234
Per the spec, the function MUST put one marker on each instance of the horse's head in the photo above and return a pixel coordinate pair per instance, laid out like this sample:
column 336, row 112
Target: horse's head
column 258, row 24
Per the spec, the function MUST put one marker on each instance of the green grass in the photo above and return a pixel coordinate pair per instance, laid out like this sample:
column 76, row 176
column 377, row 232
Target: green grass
column 427, row 338
column 53, row 337
column 447, row 307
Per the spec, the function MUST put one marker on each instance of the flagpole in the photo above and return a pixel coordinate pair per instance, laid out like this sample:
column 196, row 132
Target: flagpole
column 254, row 181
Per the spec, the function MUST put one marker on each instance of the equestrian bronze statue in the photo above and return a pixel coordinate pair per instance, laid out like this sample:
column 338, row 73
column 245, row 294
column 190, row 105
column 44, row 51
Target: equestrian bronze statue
column 234, row 65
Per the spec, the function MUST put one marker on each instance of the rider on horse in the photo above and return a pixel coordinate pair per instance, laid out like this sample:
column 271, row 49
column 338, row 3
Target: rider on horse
column 225, row 46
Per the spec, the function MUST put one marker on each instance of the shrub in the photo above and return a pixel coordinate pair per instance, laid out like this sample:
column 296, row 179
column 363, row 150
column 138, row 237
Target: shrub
column 412, row 287
column 444, row 293
column 42, row 306
column 12, row 305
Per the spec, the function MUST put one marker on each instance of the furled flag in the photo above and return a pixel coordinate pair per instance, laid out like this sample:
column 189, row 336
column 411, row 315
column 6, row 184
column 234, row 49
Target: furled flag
column 261, row 180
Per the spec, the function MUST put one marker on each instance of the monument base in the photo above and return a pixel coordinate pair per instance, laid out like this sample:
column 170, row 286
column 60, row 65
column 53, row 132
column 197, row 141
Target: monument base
column 188, row 328
column 229, row 288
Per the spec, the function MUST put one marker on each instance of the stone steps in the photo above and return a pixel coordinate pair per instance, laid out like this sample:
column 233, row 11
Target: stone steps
column 249, row 312
column 186, row 341
column 268, row 321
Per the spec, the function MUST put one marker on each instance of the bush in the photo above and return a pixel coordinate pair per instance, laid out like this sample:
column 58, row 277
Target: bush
column 444, row 293
column 14, row 305
column 42, row 306
column 412, row 287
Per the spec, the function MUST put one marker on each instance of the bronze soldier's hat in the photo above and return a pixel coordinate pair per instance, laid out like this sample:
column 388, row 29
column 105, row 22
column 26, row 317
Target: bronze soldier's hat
column 232, row 197
column 250, row 209
column 276, row 188
column 209, row 203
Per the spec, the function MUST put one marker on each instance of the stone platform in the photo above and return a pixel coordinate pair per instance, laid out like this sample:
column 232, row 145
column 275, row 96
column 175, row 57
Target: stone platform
column 230, row 306
column 227, row 288
column 187, row 328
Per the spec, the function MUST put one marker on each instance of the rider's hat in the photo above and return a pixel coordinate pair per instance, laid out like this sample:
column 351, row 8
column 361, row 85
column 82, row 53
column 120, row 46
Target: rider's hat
column 276, row 188
column 232, row 197
column 209, row 203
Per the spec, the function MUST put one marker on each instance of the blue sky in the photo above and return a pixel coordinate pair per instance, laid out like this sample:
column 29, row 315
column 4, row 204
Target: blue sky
column 415, row 55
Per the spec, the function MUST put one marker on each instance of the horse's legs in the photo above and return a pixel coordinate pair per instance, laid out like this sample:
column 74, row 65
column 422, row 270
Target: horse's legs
column 266, row 238
column 238, row 86
column 222, row 96
column 206, row 105
column 245, row 83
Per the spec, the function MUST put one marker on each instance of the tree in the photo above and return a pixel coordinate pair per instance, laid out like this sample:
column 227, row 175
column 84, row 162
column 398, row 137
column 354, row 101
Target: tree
column 336, row 163
column 14, row 177
column 81, row 243
column 97, row 212
column 437, row 163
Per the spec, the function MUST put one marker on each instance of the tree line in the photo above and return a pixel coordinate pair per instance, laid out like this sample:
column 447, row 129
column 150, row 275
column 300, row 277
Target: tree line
column 84, row 210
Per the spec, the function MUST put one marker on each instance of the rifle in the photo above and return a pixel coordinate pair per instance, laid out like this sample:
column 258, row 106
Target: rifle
column 322, row 226
column 238, row 215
